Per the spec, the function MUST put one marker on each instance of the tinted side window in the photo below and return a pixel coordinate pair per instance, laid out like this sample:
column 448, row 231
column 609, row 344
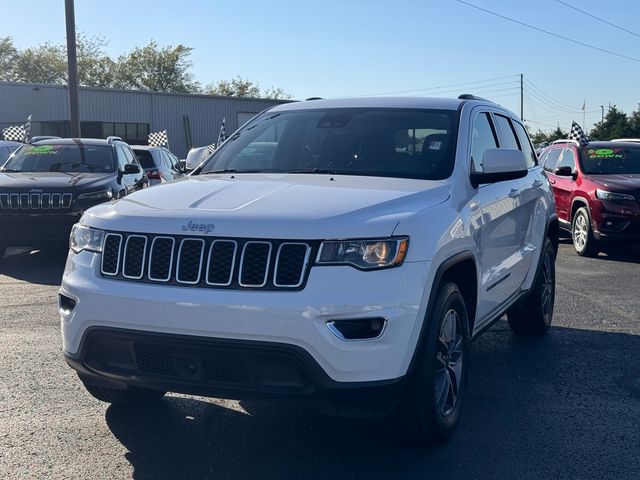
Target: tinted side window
column 122, row 157
column 507, row 135
column 568, row 159
column 483, row 138
column 552, row 160
column 525, row 145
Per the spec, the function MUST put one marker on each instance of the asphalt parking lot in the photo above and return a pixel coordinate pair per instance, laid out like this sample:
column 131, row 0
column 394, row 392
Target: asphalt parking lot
column 559, row 407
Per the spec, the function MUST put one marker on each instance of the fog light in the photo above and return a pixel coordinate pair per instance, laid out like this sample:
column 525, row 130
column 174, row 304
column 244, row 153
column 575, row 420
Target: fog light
column 357, row 328
column 66, row 304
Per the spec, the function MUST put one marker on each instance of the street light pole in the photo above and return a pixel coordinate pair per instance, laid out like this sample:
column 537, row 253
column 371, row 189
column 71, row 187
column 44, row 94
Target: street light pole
column 72, row 64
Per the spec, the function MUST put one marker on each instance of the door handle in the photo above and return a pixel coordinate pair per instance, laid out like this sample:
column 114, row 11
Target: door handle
column 552, row 181
column 513, row 193
column 536, row 183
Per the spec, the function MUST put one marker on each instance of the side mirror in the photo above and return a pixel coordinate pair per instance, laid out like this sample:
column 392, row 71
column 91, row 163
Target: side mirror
column 182, row 165
column 131, row 169
column 500, row 164
column 565, row 171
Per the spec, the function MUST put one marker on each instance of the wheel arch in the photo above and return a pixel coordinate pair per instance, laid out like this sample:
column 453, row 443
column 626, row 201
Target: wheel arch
column 577, row 203
column 462, row 270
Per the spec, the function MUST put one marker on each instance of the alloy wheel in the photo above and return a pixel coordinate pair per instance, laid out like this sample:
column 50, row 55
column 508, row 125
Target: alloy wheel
column 450, row 358
column 580, row 232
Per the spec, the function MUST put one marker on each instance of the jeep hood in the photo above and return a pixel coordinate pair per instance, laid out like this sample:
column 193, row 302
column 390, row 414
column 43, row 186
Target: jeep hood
column 52, row 180
column 618, row 183
column 290, row 206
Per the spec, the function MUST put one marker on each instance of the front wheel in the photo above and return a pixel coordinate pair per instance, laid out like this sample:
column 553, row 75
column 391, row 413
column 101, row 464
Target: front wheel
column 583, row 240
column 533, row 315
column 430, row 409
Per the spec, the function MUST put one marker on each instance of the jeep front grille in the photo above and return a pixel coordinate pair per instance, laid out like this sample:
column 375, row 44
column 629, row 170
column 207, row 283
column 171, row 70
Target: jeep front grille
column 35, row 201
column 207, row 262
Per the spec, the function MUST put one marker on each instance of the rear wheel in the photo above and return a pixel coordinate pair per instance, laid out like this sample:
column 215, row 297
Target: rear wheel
column 533, row 315
column 583, row 240
column 132, row 396
column 430, row 409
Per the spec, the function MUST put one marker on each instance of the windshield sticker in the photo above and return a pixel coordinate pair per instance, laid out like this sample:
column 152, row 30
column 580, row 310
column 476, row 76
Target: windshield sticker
column 43, row 150
column 434, row 145
column 606, row 153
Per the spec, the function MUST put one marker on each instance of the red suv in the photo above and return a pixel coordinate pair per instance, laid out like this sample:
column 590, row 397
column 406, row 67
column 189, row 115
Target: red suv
column 597, row 191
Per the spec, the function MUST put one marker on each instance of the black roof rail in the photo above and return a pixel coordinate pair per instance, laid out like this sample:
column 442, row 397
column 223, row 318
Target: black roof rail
column 37, row 138
column 471, row 96
column 313, row 98
column 113, row 138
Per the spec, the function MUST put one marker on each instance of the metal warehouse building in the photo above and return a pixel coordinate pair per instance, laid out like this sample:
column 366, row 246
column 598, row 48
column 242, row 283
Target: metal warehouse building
column 190, row 120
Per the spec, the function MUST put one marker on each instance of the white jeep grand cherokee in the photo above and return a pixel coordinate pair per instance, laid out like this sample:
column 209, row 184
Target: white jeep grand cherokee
column 337, row 252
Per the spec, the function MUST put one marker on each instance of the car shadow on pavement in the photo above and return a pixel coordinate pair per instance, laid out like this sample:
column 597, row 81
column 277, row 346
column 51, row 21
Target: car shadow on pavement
column 43, row 267
column 562, row 406
column 626, row 253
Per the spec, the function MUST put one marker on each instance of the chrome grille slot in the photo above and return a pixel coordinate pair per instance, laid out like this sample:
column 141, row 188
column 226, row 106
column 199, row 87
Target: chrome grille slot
column 221, row 262
column 291, row 263
column 111, row 254
column 254, row 264
column 135, row 249
column 35, row 201
column 205, row 262
column 161, row 259
column 190, row 260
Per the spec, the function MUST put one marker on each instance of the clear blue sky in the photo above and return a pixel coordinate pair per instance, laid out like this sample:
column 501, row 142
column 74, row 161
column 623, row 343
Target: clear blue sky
column 336, row 48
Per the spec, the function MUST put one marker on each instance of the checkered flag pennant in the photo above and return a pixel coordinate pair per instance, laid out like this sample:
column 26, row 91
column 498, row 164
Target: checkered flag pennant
column 577, row 134
column 27, row 129
column 14, row 133
column 158, row 139
column 222, row 135
column 211, row 148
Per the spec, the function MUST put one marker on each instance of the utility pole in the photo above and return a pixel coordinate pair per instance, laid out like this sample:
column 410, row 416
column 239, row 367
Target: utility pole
column 602, row 119
column 521, row 97
column 72, row 64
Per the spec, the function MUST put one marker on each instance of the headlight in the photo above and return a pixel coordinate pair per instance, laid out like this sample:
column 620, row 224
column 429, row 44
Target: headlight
column 106, row 194
column 614, row 197
column 85, row 238
column 364, row 254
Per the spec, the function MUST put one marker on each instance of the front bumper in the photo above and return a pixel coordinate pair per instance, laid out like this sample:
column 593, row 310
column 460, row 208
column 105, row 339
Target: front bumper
column 36, row 229
column 233, row 369
column 293, row 318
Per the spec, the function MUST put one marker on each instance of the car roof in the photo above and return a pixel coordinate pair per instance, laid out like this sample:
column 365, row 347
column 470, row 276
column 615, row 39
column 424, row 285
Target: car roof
column 144, row 147
column 610, row 144
column 375, row 102
column 74, row 141
column 9, row 143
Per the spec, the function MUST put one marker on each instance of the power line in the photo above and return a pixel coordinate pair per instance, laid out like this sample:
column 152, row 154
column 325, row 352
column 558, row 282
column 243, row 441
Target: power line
column 604, row 50
column 542, row 102
column 598, row 18
column 440, row 87
column 477, row 90
column 543, row 93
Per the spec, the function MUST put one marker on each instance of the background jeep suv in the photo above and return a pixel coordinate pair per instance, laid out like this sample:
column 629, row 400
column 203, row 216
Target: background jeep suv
column 337, row 252
column 597, row 191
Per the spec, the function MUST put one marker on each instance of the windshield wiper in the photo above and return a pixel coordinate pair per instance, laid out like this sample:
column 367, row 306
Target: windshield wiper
column 10, row 170
column 232, row 170
column 326, row 171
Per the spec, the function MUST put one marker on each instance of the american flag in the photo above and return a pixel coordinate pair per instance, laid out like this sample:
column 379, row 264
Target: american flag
column 222, row 135
column 158, row 139
column 578, row 134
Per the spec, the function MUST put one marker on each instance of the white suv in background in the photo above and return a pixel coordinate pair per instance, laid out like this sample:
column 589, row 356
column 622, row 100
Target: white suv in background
column 337, row 252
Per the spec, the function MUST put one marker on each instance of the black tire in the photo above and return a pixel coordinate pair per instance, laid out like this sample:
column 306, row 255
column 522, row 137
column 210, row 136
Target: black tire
column 584, row 242
column 132, row 396
column 430, row 409
column 533, row 314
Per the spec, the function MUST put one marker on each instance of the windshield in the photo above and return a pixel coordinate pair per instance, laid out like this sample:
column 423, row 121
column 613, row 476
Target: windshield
column 62, row 158
column 408, row 143
column 145, row 158
column 611, row 161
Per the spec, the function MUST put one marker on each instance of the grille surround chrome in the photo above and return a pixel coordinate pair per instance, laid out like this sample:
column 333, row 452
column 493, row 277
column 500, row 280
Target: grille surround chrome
column 304, row 265
column 144, row 253
column 233, row 264
column 182, row 242
column 219, row 259
column 36, row 201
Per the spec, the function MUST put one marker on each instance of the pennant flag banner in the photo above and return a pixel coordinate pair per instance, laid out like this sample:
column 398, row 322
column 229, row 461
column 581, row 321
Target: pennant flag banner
column 158, row 139
column 15, row 133
column 577, row 134
column 222, row 134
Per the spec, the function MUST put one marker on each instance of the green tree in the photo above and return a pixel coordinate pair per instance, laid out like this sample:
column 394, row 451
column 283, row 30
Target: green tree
column 95, row 67
column 243, row 87
column 616, row 124
column 46, row 63
column 8, row 56
column 557, row 134
column 634, row 123
column 160, row 69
